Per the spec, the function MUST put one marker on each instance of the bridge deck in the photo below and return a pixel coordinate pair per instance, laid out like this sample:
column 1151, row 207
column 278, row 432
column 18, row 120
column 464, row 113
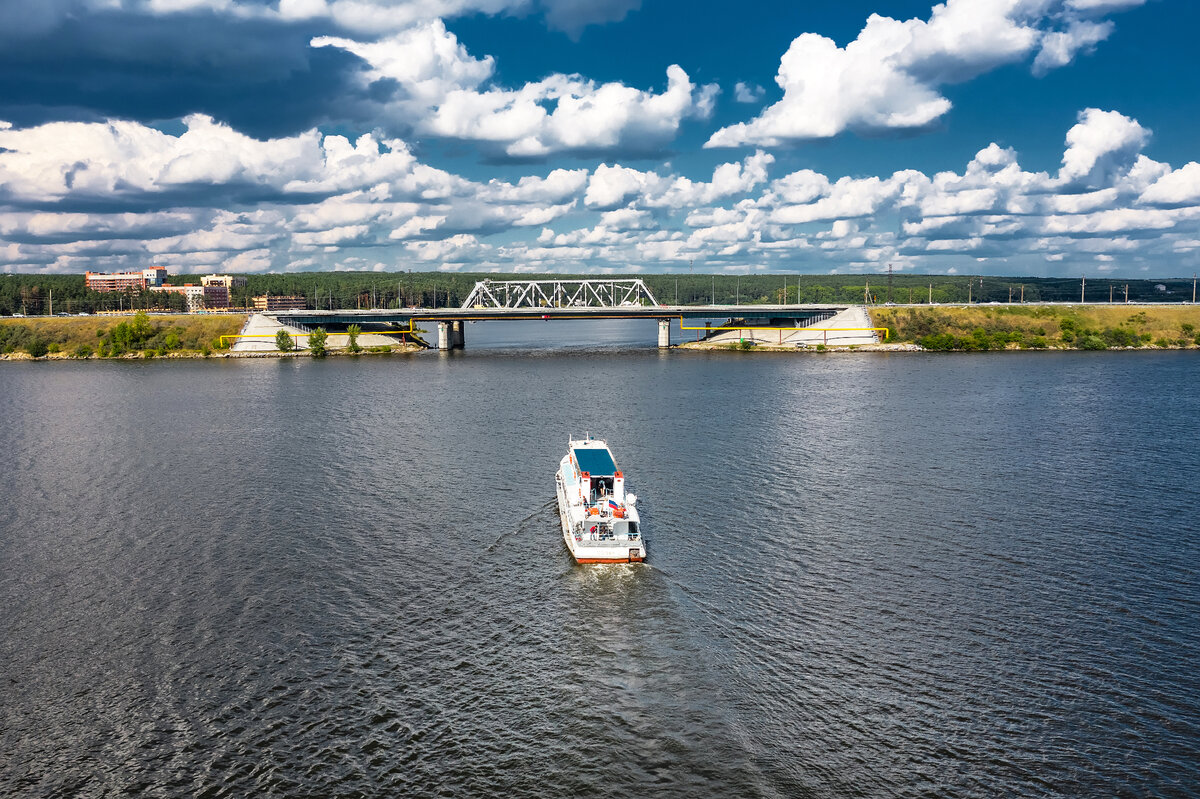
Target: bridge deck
column 405, row 315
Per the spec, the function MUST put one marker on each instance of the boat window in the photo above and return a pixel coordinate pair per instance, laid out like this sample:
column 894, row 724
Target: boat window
column 633, row 528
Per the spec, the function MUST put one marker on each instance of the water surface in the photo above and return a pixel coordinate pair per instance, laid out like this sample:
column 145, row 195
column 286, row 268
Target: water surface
column 870, row 575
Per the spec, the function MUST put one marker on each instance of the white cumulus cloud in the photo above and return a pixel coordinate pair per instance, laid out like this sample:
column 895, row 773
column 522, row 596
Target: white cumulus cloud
column 889, row 77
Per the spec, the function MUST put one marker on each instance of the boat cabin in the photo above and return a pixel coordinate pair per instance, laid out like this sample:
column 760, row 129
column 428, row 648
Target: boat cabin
column 599, row 472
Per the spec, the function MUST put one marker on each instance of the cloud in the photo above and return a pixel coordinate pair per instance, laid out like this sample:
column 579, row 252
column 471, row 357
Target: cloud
column 572, row 16
column 748, row 92
column 612, row 186
column 442, row 91
column 1103, row 144
column 209, row 197
column 97, row 61
column 889, row 77
column 1179, row 187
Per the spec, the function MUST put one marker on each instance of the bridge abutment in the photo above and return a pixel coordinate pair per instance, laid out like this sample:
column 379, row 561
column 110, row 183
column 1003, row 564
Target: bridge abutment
column 664, row 333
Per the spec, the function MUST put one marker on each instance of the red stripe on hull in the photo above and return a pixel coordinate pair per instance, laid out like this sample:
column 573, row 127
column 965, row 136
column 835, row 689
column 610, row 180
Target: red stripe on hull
column 609, row 560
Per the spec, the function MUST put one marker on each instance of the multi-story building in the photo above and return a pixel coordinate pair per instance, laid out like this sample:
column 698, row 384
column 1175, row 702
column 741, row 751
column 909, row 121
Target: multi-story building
column 269, row 303
column 126, row 281
column 200, row 298
column 228, row 281
column 219, row 289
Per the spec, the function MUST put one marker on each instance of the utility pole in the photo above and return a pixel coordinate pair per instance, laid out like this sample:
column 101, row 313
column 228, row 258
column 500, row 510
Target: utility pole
column 1010, row 295
column 931, row 293
column 1127, row 294
column 714, row 284
column 51, row 302
column 867, row 292
column 1193, row 288
column 1110, row 288
column 889, row 299
column 970, row 288
column 1022, row 293
column 1082, row 288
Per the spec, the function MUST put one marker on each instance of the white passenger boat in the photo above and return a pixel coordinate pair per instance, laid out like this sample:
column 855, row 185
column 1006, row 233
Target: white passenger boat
column 599, row 518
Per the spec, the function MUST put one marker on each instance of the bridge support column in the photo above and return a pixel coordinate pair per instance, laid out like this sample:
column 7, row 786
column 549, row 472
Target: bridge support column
column 458, row 335
column 443, row 335
column 664, row 333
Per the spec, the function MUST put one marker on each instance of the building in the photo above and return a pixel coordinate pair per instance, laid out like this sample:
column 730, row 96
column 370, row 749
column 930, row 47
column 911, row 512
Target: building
column 219, row 290
column 269, row 303
column 199, row 298
column 126, row 281
column 228, row 281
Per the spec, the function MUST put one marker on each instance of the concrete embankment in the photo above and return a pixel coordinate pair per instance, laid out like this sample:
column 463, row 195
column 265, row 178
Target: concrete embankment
column 849, row 328
column 258, row 336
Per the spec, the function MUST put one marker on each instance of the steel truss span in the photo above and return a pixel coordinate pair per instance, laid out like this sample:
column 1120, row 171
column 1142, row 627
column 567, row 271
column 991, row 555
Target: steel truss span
column 560, row 294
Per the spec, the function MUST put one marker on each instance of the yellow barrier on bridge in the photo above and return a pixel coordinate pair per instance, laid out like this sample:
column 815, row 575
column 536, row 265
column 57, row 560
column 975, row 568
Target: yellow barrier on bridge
column 825, row 330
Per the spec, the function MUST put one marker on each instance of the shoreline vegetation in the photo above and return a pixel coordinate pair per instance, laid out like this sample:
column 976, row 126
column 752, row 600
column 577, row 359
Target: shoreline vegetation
column 142, row 336
column 950, row 328
column 1042, row 327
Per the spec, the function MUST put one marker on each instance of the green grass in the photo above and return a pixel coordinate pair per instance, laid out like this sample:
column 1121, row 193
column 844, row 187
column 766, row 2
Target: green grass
column 1041, row 327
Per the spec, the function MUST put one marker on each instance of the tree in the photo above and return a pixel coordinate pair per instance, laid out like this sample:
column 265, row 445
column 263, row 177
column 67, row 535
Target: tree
column 283, row 341
column 316, row 342
column 353, row 332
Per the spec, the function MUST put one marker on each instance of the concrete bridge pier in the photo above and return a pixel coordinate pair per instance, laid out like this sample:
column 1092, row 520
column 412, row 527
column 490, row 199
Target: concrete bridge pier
column 452, row 335
column 664, row 333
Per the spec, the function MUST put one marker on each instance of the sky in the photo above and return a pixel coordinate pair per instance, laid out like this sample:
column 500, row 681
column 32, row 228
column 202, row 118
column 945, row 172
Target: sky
column 1000, row 137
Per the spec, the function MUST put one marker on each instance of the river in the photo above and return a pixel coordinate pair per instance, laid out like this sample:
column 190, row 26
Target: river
column 869, row 575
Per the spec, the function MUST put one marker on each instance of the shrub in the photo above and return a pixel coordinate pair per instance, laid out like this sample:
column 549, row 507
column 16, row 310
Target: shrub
column 1162, row 342
column 1121, row 337
column 284, row 342
column 316, row 342
column 353, row 332
column 83, row 351
column 1092, row 342
column 1187, row 328
column 37, row 347
column 746, row 344
column 938, row 341
column 1037, row 343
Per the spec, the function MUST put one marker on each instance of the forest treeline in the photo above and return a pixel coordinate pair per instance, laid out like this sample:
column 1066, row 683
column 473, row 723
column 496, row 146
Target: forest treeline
column 67, row 294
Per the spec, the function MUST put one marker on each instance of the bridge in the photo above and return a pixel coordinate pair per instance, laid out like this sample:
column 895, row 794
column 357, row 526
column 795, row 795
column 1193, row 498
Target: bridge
column 523, row 300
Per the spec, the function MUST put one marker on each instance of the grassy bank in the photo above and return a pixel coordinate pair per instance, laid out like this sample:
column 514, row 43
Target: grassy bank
column 114, row 337
column 1087, row 327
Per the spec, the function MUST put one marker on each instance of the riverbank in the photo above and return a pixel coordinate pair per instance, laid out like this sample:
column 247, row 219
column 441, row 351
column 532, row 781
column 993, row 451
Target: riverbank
column 147, row 336
column 137, row 336
column 972, row 328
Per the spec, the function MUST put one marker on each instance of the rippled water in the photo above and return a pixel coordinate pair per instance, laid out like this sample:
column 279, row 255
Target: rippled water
column 869, row 575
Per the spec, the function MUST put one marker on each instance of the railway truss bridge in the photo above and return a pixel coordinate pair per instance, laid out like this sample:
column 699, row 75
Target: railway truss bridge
column 523, row 300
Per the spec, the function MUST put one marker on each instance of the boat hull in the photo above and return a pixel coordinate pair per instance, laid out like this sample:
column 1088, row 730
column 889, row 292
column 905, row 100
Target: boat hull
column 588, row 551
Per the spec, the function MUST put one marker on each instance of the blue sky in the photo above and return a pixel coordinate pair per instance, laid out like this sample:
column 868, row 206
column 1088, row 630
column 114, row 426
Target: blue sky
column 1030, row 137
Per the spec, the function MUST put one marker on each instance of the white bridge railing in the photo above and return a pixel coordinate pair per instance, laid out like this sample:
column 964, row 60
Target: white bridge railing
column 559, row 294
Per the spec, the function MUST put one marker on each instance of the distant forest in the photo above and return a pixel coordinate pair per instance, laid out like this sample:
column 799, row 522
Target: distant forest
column 33, row 294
